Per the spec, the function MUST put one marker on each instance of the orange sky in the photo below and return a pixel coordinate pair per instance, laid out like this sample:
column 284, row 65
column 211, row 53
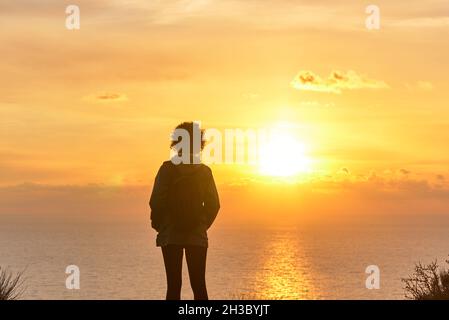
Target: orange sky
column 96, row 105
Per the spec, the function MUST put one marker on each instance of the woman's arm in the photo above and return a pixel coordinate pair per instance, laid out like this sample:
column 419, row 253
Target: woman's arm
column 211, row 199
column 158, row 200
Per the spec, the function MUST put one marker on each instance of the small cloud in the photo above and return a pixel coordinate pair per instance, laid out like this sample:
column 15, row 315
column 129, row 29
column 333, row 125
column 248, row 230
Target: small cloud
column 251, row 96
column 316, row 104
column 423, row 22
column 440, row 177
column 336, row 82
column 107, row 97
column 420, row 85
column 425, row 85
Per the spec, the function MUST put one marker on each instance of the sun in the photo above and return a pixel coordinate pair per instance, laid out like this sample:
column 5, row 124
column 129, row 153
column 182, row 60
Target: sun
column 282, row 155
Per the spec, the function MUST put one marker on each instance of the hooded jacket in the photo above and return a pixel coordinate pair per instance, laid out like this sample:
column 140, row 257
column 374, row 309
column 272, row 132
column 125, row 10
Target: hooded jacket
column 160, row 198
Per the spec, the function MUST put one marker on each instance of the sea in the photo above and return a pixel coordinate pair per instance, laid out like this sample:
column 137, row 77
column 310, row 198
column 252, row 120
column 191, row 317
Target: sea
column 320, row 260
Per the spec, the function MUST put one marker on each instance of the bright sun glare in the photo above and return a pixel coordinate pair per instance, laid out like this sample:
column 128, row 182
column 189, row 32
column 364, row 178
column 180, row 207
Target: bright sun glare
column 282, row 155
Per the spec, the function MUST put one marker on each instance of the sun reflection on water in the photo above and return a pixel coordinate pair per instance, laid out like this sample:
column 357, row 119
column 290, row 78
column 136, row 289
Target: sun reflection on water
column 285, row 273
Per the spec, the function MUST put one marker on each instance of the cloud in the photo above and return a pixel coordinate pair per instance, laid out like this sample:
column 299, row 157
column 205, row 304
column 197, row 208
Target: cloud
column 336, row 82
column 91, row 201
column 340, row 191
column 422, row 22
column 310, row 104
column 420, row 85
column 107, row 97
column 425, row 85
column 111, row 96
column 251, row 96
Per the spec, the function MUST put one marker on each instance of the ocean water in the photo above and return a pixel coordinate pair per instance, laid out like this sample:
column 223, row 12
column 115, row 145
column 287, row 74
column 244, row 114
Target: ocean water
column 245, row 261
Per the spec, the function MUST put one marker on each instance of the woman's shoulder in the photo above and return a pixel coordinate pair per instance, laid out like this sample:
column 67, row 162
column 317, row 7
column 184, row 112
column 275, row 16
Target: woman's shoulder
column 167, row 163
column 166, row 167
column 206, row 167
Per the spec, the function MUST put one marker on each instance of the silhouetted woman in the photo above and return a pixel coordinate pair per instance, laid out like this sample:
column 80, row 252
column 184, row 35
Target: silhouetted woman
column 184, row 204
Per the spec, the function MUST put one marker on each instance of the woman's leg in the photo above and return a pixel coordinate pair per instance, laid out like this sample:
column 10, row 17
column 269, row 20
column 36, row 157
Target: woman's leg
column 173, row 268
column 196, row 263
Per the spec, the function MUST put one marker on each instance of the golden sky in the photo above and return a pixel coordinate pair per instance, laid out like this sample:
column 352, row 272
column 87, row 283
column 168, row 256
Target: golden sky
column 96, row 105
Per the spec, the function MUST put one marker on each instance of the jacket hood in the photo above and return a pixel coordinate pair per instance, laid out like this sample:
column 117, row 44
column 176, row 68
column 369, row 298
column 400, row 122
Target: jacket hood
column 187, row 168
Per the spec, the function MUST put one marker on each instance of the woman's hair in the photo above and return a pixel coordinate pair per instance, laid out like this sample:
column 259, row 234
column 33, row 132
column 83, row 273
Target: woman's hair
column 189, row 127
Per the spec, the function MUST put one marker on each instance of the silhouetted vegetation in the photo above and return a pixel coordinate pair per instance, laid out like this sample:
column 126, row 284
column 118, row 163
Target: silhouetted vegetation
column 11, row 285
column 428, row 282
